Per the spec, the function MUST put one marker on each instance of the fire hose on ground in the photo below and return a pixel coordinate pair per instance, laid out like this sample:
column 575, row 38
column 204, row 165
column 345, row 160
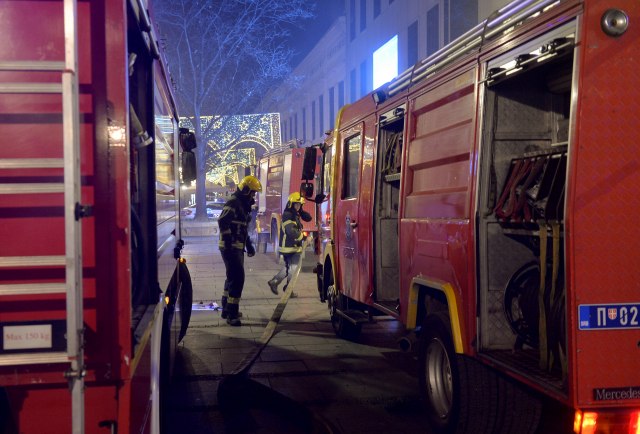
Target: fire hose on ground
column 237, row 390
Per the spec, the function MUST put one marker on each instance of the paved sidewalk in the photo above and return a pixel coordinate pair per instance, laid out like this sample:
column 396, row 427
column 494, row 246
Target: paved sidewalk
column 364, row 386
column 208, row 273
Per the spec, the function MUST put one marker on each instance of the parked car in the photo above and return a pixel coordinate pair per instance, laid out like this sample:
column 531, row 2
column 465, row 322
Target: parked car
column 214, row 209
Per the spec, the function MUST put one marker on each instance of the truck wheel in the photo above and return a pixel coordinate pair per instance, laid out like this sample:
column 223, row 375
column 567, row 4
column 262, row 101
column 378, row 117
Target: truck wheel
column 341, row 326
column 458, row 392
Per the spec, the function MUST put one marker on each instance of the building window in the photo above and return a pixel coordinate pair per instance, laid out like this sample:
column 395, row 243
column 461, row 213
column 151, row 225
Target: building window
column 304, row 124
column 351, row 164
column 332, row 106
column 412, row 44
column 363, row 78
column 376, row 8
column 445, row 13
column 461, row 16
column 291, row 127
column 385, row 62
column 321, row 115
column 295, row 126
column 352, row 90
column 433, row 30
column 340, row 94
column 363, row 15
column 284, row 130
column 313, row 119
column 352, row 19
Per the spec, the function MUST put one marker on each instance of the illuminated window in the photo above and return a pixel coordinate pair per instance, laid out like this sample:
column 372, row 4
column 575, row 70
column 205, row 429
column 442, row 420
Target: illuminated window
column 385, row 62
column 351, row 166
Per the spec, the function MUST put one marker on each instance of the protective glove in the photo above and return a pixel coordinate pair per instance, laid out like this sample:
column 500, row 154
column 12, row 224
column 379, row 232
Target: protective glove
column 251, row 251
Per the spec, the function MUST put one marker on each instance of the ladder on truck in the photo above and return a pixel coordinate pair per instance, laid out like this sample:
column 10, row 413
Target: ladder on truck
column 73, row 212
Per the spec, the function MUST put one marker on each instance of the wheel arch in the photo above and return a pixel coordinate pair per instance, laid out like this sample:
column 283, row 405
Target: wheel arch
column 431, row 296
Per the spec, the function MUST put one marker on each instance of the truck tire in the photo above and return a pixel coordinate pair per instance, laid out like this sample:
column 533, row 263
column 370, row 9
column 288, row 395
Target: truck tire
column 341, row 326
column 458, row 392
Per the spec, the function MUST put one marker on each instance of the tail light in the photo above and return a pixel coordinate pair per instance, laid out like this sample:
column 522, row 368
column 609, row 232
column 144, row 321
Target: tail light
column 591, row 422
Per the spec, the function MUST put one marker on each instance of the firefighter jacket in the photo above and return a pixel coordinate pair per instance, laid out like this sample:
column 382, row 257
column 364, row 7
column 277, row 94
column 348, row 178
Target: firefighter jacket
column 234, row 222
column 291, row 237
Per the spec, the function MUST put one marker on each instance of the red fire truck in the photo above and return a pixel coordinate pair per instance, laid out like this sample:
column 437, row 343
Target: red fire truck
column 485, row 198
column 281, row 171
column 94, row 294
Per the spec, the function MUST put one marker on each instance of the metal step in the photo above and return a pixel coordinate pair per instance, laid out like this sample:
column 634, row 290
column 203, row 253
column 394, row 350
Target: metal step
column 32, row 261
column 31, row 65
column 33, row 288
column 33, row 358
column 31, row 163
column 32, row 188
column 30, row 88
column 354, row 316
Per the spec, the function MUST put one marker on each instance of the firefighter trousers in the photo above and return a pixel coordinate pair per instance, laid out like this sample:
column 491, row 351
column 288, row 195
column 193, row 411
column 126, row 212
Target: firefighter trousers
column 291, row 264
column 234, row 282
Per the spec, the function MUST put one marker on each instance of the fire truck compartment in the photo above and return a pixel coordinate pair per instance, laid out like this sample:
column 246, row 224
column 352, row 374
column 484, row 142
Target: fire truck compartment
column 523, row 161
column 387, row 203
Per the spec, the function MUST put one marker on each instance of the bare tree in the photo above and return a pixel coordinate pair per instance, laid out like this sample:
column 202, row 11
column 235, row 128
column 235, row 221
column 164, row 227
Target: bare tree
column 223, row 56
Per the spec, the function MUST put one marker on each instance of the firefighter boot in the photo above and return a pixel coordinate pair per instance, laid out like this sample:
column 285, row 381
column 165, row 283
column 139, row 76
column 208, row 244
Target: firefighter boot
column 274, row 286
column 293, row 294
column 223, row 303
column 232, row 315
column 224, row 314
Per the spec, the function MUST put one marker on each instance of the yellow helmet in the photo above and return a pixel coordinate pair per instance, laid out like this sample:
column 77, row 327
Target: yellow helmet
column 296, row 198
column 250, row 183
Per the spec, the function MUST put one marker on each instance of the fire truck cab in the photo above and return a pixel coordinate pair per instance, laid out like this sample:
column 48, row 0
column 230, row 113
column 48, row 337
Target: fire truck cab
column 281, row 173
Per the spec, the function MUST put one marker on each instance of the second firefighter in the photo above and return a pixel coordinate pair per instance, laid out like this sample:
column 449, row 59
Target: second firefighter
column 291, row 241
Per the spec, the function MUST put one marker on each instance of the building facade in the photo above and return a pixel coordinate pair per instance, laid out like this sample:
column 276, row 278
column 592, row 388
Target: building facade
column 375, row 41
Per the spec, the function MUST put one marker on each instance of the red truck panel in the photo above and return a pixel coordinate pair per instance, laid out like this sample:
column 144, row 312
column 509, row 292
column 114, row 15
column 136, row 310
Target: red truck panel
column 603, row 204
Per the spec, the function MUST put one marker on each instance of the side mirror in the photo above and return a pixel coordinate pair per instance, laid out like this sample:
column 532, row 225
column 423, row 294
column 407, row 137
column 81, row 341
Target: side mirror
column 188, row 167
column 309, row 164
column 187, row 139
column 320, row 197
column 306, row 189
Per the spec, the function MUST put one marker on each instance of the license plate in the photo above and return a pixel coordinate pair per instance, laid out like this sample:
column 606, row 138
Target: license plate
column 609, row 316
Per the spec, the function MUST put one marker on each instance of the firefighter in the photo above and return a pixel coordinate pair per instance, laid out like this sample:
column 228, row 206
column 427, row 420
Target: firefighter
column 291, row 240
column 234, row 239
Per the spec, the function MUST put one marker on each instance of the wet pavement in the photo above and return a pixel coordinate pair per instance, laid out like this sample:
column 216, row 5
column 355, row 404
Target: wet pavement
column 305, row 380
